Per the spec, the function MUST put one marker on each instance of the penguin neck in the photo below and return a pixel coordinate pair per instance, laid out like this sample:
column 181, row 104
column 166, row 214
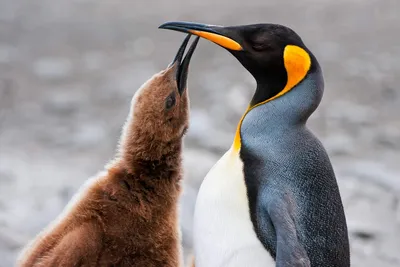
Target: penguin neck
column 140, row 150
column 267, row 88
column 281, row 112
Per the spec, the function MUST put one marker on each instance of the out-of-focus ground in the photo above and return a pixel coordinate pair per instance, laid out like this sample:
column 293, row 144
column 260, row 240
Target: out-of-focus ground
column 68, row 69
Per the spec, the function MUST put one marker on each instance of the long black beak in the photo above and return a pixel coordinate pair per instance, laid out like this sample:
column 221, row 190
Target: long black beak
column 217, row 34
column 183, row 65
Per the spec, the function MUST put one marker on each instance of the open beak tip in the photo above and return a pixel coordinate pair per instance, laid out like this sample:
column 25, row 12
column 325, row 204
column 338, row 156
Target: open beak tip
column 181, row 51
column 182, row 74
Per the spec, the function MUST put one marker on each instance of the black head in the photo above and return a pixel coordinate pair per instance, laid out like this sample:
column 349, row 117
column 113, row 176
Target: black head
column 274, row 54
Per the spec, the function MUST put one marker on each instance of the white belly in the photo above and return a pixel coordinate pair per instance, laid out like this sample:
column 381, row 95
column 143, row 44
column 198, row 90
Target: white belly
column 223, row 232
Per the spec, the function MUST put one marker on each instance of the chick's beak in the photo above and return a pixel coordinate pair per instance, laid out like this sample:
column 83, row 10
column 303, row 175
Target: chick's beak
column 182, row 67
column 217, row 34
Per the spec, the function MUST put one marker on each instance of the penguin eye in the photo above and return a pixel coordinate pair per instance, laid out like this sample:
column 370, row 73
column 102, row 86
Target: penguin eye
column 260, row 46
column 170, row 101
column 260, row 42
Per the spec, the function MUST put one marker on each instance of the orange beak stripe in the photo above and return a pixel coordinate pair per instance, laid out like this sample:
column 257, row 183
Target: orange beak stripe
column 218, row 39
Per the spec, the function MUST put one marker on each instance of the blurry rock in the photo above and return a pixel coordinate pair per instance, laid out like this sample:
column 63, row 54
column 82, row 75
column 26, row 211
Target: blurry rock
column 64, row 101
column 126, row 79
column 53, row 68
column 6, row 53
column 389, row 136
column 347, row 186
column 5, row 177
column 237, row 98
column 7, row 258
column 389, row 94
column 371, row 219
column 186, row 211
column 197, row 164
column 94, row 60
column 339, row 144
column 351, row 112
column 89, row 134
column 363, row 219
column 208, row 134
column 11, row 239
column 379, row 173
column 143, row 46
column 363, row 235
column 329, row 51
column 66, row 194
column 389, row 247
column 398, row 211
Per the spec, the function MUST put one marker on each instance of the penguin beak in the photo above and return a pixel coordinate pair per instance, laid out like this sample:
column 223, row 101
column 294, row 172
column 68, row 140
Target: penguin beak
column 222, row 36
column 182, row 68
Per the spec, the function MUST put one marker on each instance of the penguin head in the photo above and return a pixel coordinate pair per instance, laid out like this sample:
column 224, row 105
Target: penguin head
column 274, row 54
column 279, row 61
column 160, row 108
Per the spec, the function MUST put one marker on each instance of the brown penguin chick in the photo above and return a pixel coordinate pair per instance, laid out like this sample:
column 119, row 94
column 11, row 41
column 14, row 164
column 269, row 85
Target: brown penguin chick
column 128, row 215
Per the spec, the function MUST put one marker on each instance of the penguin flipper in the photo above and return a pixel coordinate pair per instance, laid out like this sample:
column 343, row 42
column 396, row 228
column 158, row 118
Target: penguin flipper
column 289, row 250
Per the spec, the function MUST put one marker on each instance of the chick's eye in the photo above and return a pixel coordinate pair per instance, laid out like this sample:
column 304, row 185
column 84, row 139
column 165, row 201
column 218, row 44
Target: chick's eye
column 170, row 101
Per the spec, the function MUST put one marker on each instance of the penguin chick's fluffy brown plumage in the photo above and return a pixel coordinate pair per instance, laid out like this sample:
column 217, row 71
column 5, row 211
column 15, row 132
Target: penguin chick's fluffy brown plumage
column 128, row 215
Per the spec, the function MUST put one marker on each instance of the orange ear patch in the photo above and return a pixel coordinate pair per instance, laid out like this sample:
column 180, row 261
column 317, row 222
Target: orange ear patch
column 297, row 64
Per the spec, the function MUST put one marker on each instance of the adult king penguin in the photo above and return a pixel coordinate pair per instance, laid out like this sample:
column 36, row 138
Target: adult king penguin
column 274, row 193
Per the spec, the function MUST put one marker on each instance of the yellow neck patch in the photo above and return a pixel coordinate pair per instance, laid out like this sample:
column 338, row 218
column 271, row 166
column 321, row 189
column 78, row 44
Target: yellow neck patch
column 297, row 64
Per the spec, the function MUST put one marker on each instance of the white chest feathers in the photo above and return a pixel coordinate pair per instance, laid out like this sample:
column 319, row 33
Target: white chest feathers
column 223, row 231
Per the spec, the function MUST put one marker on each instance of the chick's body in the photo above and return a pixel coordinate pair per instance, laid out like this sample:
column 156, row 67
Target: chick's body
column 128, row 215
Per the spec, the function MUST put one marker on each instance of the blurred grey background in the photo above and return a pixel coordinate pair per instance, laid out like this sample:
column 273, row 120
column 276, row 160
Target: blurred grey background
column 68, row 69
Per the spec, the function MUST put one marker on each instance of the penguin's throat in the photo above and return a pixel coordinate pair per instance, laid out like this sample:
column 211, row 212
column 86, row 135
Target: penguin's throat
column 265, row 92
column 137, row 146
column 266, row 89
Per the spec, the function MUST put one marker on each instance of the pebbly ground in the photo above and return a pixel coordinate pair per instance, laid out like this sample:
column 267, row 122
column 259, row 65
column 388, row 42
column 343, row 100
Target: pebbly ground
column 68, row 69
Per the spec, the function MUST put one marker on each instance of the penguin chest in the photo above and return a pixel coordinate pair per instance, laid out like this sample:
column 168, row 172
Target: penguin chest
column 223, row 231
